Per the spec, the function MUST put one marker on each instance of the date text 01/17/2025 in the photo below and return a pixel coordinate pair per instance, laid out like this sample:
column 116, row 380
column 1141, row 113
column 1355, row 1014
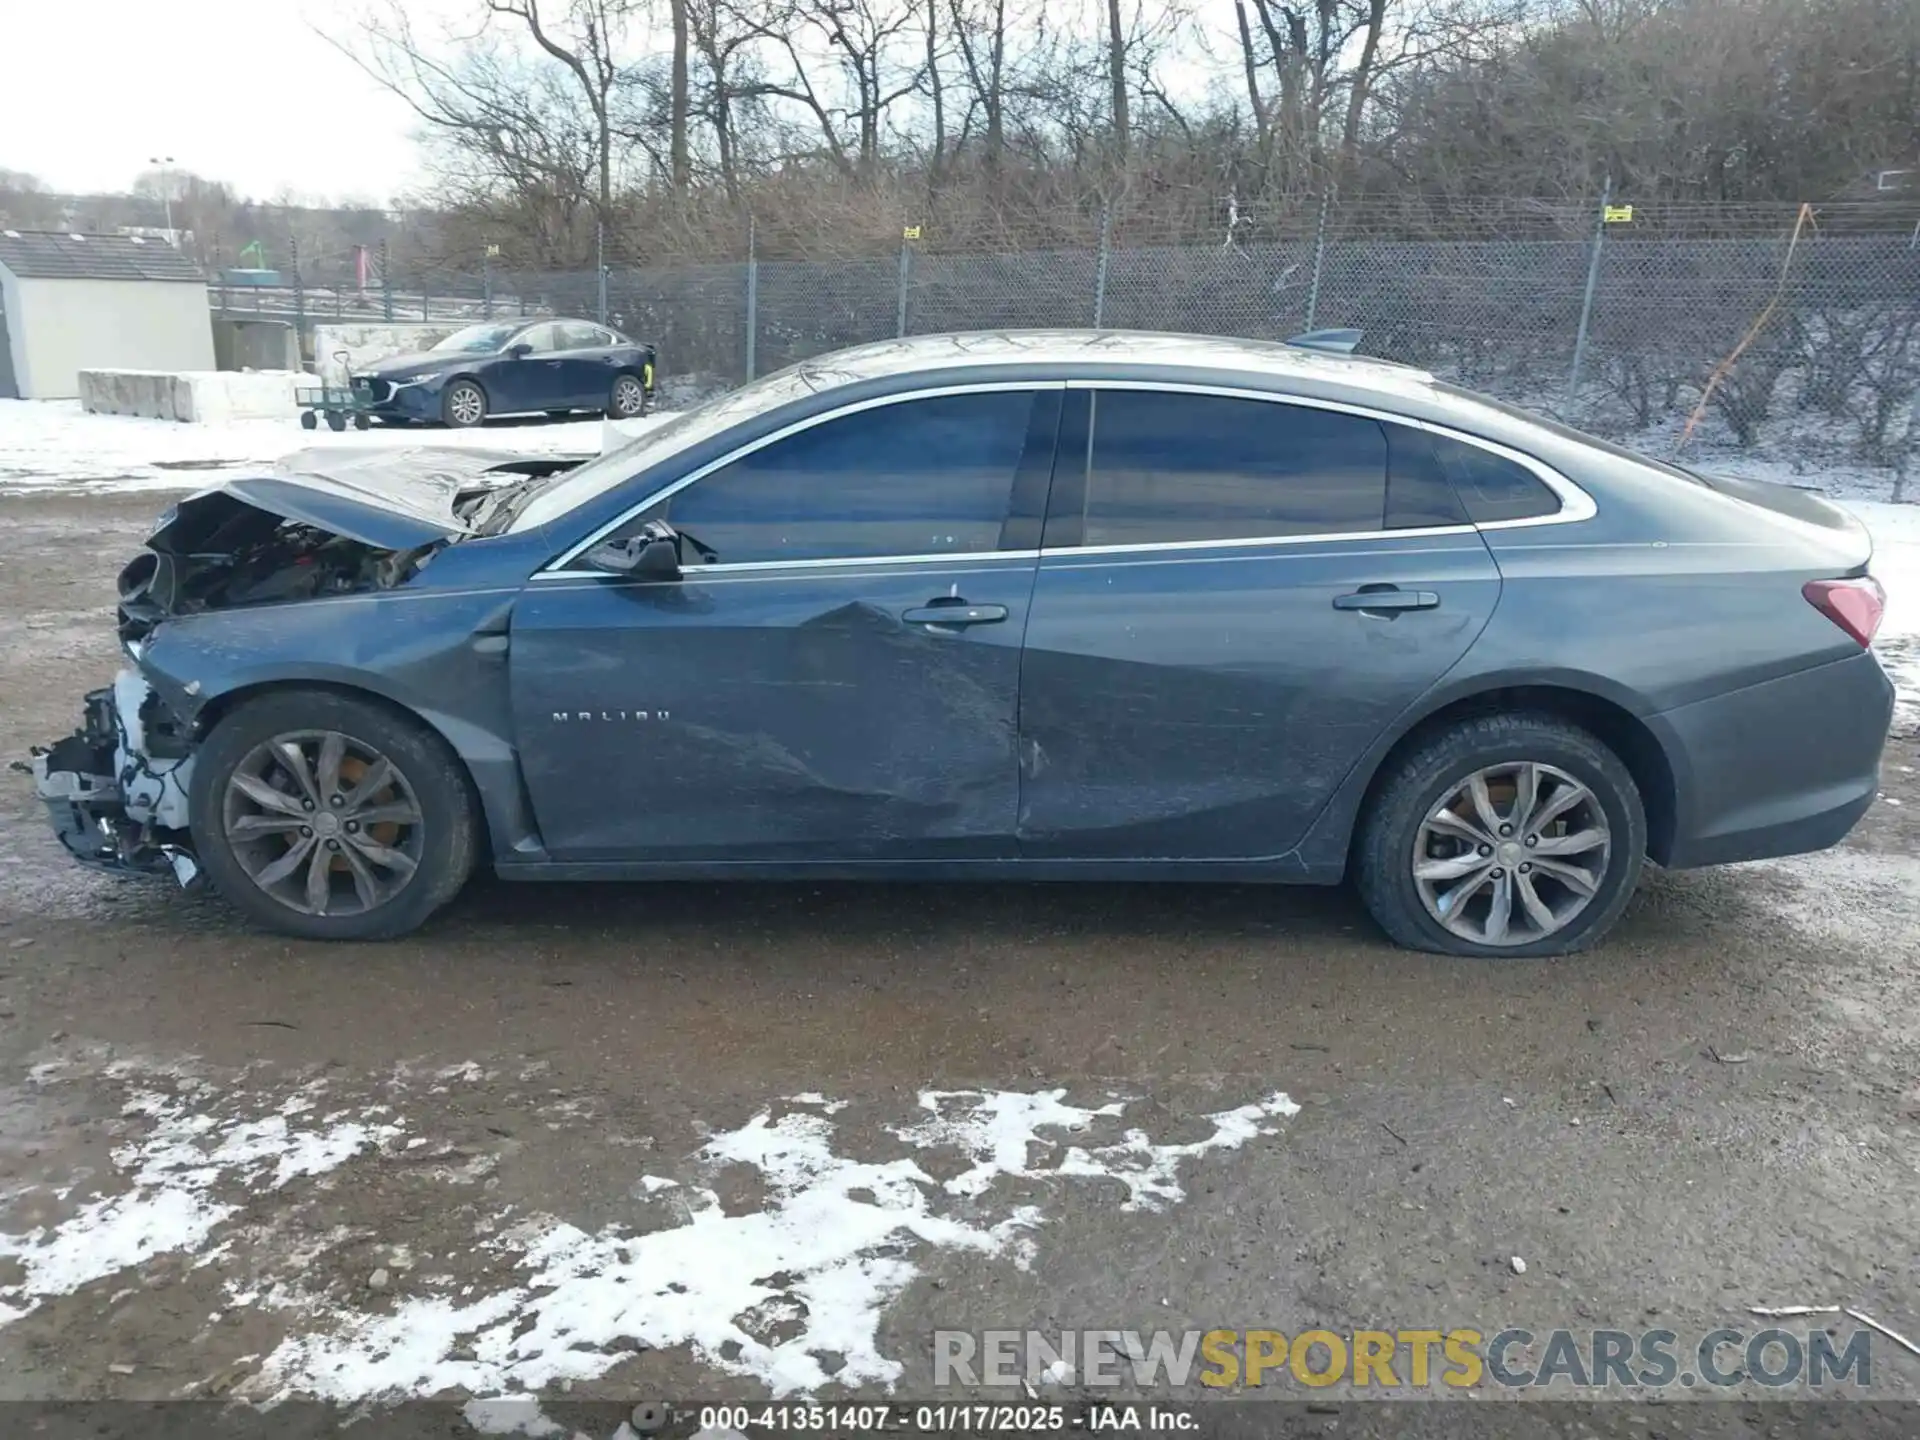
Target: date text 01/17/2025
column 942, row 1418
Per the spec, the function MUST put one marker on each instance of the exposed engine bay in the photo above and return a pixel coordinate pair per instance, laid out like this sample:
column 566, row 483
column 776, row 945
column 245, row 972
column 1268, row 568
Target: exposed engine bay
column 321, row 524
column 253, row 558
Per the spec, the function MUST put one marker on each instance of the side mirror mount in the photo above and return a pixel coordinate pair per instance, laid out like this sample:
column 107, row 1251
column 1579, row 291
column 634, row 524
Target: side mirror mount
column 651, row 554
column 519, row 351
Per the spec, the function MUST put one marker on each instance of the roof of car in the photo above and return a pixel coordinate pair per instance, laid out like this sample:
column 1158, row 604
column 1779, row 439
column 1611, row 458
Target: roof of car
column 62, row 255
column 1149, row 350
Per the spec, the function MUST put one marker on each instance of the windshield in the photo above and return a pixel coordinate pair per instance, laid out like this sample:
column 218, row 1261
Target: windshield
column 682, row 432
column 478, row 339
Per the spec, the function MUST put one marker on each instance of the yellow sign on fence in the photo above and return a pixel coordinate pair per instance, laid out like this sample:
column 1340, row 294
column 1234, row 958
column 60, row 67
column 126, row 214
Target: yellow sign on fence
column 1619, row 215
column 910, row 232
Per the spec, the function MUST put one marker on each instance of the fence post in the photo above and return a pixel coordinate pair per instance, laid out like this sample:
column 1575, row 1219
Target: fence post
column 906, row 277
column 1100, row 268
column 486, row 286
column 753, row 301
column 299, row 296
column 386, row 281
column 600, row 268
column 1319, row 259
column 1593, row 280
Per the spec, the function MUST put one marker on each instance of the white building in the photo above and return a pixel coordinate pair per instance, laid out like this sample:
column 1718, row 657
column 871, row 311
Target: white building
column 95, row 302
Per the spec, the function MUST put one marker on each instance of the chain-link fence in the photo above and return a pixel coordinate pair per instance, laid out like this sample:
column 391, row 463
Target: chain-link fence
column 1609, row 315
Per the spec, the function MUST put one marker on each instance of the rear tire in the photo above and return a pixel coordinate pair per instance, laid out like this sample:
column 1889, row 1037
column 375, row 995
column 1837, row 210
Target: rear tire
column 627, row 399
column 1399, row 831
column 424, row 814
column 464, row 404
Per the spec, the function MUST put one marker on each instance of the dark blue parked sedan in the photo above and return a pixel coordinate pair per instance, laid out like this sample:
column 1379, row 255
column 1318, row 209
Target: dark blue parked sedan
column 521, row 367
column 1062, row 606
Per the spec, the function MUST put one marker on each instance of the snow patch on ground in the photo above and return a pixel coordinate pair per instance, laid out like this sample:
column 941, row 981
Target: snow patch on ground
column 54, row 446
column 193, row 1169
column 767, row 1294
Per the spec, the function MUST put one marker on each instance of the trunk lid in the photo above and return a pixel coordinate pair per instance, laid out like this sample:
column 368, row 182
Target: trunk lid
column 1831, row 526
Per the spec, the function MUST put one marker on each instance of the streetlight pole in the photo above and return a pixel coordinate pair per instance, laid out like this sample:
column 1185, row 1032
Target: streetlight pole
column 166, row 188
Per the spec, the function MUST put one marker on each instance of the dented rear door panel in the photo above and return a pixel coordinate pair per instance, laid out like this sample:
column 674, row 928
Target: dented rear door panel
column 783, row 714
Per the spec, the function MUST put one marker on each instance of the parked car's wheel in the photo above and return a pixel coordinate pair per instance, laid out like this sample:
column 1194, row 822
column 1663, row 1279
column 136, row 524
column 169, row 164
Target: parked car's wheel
column 627, row 399
column 464, row 404
column 1504, row 836
column 329, row 817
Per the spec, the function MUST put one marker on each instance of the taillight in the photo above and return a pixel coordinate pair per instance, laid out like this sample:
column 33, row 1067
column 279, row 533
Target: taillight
column 1854, row 605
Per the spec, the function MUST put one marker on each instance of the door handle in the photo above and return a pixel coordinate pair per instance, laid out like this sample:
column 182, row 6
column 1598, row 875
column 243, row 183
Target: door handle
column 955, row 613
column 1386, row 598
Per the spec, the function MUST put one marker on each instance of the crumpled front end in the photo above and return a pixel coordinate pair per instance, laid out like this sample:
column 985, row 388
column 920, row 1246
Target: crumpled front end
column 116, row 789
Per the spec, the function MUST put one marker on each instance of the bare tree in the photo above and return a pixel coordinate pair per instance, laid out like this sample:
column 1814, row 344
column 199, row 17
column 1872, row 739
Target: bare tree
column 1117, row 76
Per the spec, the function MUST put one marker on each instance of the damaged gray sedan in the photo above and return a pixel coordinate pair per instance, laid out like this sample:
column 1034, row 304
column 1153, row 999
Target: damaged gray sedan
column 1047, row 605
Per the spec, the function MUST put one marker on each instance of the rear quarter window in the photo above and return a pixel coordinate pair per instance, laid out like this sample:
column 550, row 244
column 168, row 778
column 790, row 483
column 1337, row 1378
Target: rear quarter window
column 1492, row 487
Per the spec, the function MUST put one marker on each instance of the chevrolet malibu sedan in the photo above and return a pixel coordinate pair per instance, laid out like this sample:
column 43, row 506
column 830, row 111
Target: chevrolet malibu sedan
column 516, row 367
column 1063, row 606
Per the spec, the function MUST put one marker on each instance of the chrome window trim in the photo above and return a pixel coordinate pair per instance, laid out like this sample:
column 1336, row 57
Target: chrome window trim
column 1411, row 532
column 775, row 570
column 697, row 572
column 1575, row 503
column 666, row 492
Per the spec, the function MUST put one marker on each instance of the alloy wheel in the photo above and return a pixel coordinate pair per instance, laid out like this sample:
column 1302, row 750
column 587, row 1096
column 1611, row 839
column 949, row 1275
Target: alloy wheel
column 628, row 397
column 323, row 823
column 467, row 405
column 1511, row 854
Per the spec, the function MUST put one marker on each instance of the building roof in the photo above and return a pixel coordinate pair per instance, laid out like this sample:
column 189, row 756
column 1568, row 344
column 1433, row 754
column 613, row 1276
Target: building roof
column 58, row 255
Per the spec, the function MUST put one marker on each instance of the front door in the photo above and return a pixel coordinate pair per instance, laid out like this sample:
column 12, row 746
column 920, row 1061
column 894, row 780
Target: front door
column 1224, row 621
column 837, row 679
column 534, row 381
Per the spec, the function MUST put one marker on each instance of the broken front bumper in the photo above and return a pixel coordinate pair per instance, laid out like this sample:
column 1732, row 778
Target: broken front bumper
column 114, row 804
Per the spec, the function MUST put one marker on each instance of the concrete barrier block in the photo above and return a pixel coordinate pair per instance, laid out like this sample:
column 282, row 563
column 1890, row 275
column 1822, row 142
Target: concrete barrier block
column 201, row 397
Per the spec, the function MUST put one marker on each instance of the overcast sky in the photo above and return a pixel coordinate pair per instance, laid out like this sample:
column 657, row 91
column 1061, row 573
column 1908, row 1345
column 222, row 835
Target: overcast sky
column 236, row 90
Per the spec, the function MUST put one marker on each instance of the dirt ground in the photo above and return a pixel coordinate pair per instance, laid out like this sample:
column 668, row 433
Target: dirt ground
column 1719, row 1109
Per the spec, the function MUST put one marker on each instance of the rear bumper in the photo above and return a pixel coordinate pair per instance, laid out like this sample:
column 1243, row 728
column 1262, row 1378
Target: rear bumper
column 1779, row 768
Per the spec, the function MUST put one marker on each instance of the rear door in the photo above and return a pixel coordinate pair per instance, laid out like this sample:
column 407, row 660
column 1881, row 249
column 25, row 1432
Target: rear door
column 838, row 679
column 1230, row 608
column 587, row 363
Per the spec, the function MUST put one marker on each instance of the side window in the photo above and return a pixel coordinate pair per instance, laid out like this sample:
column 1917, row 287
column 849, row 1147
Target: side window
column 922, row 477
column 1167, row 467
column 577, row 336
column 542, row 338
column 1491, row 486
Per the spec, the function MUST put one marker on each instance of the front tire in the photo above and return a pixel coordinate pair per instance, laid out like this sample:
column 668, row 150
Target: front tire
column 464, row 404
column 1503, row 837
column 328, row 817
